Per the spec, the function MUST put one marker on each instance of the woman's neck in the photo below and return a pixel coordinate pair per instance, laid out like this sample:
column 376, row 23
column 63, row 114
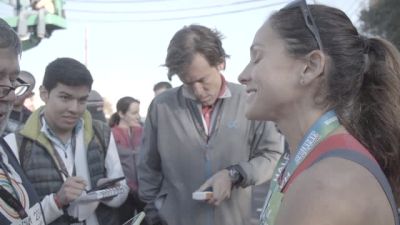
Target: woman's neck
column 295, row 127
column 123, row 125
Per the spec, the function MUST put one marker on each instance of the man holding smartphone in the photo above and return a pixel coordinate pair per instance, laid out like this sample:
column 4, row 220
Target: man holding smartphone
column 65, row 153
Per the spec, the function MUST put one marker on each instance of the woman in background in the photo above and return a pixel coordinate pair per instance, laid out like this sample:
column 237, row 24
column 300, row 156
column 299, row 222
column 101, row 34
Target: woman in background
column 335, row 95
column 127, row 130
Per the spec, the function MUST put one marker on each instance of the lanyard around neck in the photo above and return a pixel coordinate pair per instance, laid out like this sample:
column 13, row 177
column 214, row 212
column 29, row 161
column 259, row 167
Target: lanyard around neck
column 10, row 199
column 324, row 126
column 63, row 168
column 286, row 166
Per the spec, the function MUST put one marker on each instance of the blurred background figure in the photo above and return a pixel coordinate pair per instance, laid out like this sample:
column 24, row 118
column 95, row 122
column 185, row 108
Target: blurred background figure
column 33, row 7
column 95, row 104
column 127, row 130
column 161, row 87
column 20, row 112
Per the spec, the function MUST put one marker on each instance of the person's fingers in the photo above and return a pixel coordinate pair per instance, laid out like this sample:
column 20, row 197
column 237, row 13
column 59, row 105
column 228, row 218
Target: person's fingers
column 218, row 198
column 77, row 186
column 224, row 195
column 205, row 185
column 75, row 183
column 211, row 201
column 71, row 189
column 79, row 180
column 222, row 191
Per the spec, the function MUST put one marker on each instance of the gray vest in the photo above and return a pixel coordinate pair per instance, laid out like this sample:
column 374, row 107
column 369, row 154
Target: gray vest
column 43, row 173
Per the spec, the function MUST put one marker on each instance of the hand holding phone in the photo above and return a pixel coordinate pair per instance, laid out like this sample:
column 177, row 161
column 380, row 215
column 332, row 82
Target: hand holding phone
column 202, row 195
column 106, row 184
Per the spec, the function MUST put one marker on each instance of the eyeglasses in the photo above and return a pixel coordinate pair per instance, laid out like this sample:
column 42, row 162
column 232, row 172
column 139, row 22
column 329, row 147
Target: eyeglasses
column 19, row 89
column 308, row 18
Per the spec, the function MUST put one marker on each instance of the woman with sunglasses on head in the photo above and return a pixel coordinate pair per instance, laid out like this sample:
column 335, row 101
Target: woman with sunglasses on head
column 335, row 95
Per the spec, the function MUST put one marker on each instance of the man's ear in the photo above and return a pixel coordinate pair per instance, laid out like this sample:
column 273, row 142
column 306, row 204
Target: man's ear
column 314, row 67
column 44, row 94
column 221, row 66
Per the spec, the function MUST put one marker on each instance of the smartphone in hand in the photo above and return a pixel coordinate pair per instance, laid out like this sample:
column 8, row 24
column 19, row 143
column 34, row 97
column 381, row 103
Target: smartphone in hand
column 106, row 184
column 202, row 195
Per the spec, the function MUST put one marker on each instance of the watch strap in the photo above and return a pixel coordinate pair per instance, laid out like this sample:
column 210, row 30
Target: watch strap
column 235, row 174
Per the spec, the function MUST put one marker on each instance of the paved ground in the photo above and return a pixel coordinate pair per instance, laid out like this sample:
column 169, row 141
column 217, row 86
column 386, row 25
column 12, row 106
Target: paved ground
column 259, row 194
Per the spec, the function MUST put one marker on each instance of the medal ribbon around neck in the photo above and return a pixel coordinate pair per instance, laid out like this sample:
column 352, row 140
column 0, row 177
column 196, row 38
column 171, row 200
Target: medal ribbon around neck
column 321, row 129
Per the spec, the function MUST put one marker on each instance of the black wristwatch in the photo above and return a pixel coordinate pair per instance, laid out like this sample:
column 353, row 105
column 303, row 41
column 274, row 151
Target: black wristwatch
column 234, row 175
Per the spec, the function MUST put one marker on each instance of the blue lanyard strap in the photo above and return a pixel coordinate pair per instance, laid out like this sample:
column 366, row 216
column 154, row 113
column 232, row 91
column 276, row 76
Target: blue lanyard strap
column 324, row 126
column 321, row 129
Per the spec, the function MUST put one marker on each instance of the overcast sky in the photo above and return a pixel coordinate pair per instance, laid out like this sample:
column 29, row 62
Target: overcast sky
column 127, row 39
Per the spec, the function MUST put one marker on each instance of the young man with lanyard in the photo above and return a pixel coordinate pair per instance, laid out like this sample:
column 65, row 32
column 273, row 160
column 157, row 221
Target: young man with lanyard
column 72, row 153
column 19, row 202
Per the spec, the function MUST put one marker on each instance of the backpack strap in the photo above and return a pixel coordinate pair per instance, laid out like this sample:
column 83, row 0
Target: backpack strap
column 25, row 144
column 102, row 133
column 347, row 147
column 332, row 142
column 371, row 166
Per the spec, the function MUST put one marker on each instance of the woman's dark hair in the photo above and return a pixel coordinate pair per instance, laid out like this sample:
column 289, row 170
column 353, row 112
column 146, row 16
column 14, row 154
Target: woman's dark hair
column 122, row 106
column 361, row 81
column 189, row 41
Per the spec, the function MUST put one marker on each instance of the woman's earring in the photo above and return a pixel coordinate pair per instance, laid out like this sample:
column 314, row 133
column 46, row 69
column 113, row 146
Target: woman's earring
column 302, row 80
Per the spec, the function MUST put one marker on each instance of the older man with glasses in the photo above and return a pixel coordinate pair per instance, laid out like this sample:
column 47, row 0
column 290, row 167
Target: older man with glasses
column 19, row 201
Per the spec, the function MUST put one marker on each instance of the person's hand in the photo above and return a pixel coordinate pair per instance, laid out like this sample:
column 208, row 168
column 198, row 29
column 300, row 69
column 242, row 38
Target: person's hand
column 221, row 186
column 69, row 191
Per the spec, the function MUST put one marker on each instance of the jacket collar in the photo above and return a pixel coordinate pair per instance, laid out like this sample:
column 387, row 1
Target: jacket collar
column 32, row 128
column 226, row 93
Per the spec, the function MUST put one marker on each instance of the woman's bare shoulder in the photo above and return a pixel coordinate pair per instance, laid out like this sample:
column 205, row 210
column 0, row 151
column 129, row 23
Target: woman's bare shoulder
column 335, row 191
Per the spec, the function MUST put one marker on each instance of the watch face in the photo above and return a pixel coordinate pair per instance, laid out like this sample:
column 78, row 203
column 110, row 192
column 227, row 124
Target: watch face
column 234, row 175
